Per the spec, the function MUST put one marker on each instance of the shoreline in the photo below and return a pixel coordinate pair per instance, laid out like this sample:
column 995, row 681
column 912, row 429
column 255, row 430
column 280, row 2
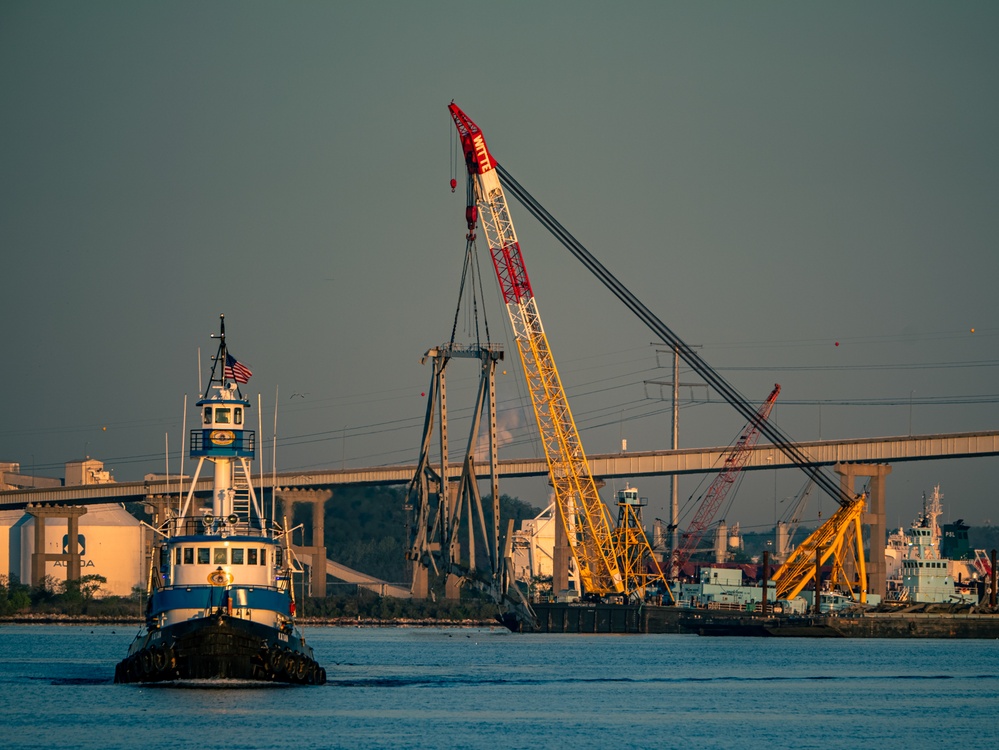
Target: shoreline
column 341, row 622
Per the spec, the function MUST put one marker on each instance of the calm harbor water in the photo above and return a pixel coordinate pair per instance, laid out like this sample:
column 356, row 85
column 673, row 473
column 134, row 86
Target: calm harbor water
column 487, row 688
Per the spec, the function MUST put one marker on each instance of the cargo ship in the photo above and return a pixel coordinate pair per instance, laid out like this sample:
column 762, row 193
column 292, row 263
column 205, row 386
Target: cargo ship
column 220, row 597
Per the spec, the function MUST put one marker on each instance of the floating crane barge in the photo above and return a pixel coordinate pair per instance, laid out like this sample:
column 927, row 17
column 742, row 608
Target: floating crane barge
column 618, row 589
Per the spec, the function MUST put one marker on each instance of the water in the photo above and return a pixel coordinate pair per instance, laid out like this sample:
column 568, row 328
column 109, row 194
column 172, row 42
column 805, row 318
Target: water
column 487, row 688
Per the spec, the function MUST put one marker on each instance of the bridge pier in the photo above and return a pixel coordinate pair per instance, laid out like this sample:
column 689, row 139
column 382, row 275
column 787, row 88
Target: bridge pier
column 72, row 556
column 317, row 550
column 874, row 518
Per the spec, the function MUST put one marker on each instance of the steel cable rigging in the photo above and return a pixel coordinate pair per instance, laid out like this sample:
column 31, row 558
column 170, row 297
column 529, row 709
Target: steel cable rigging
column 693, row 360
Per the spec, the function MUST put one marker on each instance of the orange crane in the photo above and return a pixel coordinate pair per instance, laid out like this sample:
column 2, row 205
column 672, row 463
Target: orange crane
column 604, row 569
column 722, row 483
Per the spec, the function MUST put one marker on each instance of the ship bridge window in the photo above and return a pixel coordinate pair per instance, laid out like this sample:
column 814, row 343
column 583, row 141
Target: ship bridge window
column 263, row 557
column 188, row 555
column 204, row 556
column 237, row 416
column 251, row 556
column 176, row 556
column 219, row 556
column 221, row 415
column 237, row 556
column 208, row 415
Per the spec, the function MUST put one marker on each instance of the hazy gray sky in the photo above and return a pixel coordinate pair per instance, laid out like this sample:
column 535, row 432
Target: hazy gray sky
column 769, row 178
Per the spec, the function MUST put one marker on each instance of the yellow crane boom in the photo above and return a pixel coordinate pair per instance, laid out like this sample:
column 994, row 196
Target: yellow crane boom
column 840, row 538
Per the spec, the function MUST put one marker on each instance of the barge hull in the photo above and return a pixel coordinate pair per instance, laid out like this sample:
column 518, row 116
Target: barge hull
column 615, row 618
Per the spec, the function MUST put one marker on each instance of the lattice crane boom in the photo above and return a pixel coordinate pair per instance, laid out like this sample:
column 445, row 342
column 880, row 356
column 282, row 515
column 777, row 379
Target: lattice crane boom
column 723, row 482
column 586, row 519
column 840, row 538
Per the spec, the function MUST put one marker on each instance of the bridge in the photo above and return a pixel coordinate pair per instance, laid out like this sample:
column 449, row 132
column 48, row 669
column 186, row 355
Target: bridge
column 883, row 450
column 866, row 457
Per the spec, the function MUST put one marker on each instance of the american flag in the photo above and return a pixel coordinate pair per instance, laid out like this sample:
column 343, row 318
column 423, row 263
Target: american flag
column 236, row 370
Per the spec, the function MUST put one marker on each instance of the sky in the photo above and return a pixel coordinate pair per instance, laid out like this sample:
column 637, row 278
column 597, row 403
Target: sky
column 806, row 192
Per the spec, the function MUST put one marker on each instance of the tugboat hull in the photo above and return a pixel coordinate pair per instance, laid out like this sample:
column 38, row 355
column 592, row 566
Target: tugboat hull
column 219, row 647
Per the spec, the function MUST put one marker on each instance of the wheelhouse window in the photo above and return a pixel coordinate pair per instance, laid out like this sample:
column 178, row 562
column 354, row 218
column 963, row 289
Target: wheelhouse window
column 251, row 556
column 208, row 415
column 221, row 415
column 220, row 556
column 204, row 556
column 176, row 556
column 237, row 415
column 237, row 556
column 188, row 555
column 263, row 557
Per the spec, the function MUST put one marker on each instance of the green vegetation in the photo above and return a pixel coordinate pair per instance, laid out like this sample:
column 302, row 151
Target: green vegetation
column 52, row 597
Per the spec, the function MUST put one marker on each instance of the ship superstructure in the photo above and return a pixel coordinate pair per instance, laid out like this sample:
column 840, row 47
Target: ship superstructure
column 221, row 603
column 925, row 575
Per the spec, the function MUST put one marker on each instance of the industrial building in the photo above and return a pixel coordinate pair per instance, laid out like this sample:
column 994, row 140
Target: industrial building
column 109, row 538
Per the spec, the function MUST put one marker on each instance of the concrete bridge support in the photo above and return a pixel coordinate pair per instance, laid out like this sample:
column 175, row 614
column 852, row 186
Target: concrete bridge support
column 874, row 518
column 317, row 550
column 72, row 556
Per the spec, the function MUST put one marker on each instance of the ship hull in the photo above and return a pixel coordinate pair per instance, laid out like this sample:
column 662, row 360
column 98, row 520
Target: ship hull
column 219, row 647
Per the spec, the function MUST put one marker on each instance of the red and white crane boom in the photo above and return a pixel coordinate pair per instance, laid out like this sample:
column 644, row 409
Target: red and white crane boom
column 719, row 488
column 584, row 516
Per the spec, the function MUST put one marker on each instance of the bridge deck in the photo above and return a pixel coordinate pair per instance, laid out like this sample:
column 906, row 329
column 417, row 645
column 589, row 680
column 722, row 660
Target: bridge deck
column 604, row 466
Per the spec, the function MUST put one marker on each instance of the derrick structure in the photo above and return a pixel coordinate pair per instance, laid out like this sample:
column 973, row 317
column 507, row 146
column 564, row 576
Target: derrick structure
column 584, row 516
column 450, row 537
column 446, row 506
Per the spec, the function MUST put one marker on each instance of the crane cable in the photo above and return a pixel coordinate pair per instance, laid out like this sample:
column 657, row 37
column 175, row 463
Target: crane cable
column 726, row 390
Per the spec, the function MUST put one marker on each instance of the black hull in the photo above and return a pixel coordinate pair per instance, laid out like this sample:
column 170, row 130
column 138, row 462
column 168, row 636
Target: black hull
column 219, row 647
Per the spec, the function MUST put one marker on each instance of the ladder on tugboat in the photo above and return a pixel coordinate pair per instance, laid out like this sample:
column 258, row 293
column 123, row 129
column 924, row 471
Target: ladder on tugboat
column 241, row 492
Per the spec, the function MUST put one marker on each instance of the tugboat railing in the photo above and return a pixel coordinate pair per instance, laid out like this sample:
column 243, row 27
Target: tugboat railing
column 209, row 526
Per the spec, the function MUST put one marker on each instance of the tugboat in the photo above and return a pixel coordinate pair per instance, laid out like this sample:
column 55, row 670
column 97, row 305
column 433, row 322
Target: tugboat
column 221, row 602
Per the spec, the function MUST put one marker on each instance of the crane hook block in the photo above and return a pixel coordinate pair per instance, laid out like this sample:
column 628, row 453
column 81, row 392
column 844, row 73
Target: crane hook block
column 471, row 216
column 454, row 184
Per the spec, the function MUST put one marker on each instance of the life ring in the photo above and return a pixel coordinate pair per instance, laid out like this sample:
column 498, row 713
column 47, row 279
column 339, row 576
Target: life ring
column 146, row 662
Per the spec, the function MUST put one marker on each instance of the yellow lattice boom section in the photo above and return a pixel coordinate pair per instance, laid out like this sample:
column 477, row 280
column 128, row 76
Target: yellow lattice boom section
column 836, row 539
column 584, row 515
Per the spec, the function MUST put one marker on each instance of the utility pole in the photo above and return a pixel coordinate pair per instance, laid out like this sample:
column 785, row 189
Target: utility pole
column 674, row 507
